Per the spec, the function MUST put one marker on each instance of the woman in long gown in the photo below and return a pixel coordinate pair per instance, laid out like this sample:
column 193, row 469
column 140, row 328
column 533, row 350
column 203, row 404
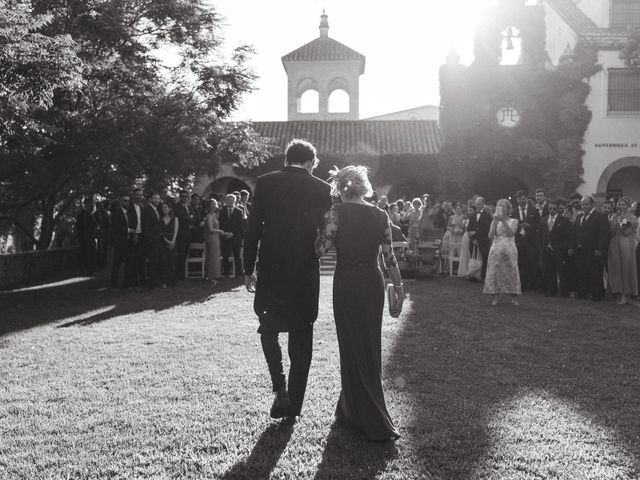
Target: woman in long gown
column 463, row 265
column 502, row 264
column 212, row 234
column 622, row 268
column 359, row 230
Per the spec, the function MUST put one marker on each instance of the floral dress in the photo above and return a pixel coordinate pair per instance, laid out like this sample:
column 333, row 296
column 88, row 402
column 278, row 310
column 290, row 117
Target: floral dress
column 502, row 265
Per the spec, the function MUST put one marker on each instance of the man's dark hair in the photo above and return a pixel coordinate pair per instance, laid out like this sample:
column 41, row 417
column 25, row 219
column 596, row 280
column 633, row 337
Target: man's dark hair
column 137, row 190
column 124, row 193
column 299, row 152
column 552, row 201
column 195, row 195
column 540, row 190
column 521, row 193
column 561, row 201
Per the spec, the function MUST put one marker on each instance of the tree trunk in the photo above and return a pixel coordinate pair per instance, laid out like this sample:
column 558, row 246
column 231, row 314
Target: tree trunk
column 47, row 225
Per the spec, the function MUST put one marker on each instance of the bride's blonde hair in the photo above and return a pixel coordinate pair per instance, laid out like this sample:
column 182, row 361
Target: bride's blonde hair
column 351, row 181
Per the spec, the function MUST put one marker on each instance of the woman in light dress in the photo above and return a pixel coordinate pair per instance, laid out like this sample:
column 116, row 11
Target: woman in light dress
column 414, row 223
column 455, row 228
column 621, row 264
column 463, row 266
column 212, row 233
column 502, row 275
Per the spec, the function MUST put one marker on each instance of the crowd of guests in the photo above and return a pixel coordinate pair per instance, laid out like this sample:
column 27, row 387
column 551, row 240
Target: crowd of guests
column 147, row 241
column 571, row 247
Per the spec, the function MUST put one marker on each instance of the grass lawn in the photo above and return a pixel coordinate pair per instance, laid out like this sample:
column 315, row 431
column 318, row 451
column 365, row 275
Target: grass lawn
column 172, row 384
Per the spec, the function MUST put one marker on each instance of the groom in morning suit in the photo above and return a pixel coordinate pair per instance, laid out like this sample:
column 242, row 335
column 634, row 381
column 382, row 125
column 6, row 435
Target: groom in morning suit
column 478, row 229
column 287, row 212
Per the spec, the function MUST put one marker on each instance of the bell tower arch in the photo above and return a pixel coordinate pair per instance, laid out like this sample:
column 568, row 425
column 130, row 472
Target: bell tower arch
column 330, row 69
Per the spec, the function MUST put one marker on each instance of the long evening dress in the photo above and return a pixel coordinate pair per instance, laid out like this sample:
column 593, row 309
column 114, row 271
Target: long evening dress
column 502, row 264
column 212, row 243
column 358, row 303
column 463, row 266
column 622, row 268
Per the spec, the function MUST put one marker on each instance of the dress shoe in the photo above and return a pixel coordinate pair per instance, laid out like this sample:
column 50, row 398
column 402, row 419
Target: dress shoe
column 281, row 404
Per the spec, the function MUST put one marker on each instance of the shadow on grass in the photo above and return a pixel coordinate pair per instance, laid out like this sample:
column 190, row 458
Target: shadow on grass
column 456, row 364
column 349, row 455
column 265, row 454
column 88, row 301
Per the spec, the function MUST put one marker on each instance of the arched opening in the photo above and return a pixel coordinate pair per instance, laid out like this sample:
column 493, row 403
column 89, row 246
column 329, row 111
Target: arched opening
column 625, row 181
column 410, row 189
column 223, row 185
column 339, row 101
column 496, row 185
column 511, row 47
column 621, row 176
column 309, row 102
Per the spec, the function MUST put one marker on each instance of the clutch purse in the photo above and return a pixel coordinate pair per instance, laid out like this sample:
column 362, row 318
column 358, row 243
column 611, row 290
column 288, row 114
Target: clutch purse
column 392, row 297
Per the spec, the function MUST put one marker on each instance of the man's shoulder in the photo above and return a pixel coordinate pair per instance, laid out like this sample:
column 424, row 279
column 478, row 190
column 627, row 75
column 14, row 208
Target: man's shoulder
column 284, row 176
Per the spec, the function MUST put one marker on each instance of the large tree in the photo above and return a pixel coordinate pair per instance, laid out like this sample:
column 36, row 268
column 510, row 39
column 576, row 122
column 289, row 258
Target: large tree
column 131, row 119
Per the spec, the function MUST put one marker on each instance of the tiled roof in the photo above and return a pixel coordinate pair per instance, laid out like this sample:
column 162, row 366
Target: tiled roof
column 323, row 49
column 573, row 16
column 392, row 137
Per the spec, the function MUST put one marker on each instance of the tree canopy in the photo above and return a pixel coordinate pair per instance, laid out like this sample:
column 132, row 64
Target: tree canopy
column 94, row 109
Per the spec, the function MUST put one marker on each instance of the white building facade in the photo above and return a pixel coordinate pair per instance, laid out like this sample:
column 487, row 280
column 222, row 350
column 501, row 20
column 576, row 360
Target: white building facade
column 612, row 142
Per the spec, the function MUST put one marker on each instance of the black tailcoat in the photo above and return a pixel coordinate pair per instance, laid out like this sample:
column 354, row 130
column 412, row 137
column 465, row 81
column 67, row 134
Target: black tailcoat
column 286, row 214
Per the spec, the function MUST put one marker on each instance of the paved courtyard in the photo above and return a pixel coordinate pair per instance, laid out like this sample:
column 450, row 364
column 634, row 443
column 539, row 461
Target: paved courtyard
column 172, row 384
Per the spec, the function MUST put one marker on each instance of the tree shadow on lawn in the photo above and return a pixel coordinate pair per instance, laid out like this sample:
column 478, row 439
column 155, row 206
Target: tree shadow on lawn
column 87, row 302
column 265, row 454
column 348, row 454
column 457, row 362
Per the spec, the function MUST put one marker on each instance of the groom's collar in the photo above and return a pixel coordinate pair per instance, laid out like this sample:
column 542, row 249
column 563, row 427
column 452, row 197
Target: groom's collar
column 296, row 169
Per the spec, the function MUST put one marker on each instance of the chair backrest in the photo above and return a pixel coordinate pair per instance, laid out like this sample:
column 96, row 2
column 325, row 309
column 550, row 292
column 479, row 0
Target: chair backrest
column 399, row 245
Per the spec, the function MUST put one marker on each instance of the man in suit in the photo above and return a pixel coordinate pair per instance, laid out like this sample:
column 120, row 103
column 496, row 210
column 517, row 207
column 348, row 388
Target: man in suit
column 135, row 275
column 590, row 244
column 151, row 233
column 121, row 239
column 554, row 236
column 541, row 203
column 197, row 222
column 185, row 215
column 231, row 221
column 244, row 201
column 287, row 212
column 478, row 229
column 87, row 232
column 526, row 242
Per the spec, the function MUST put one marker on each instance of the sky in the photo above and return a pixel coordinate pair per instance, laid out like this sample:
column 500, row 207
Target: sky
column 405, row 43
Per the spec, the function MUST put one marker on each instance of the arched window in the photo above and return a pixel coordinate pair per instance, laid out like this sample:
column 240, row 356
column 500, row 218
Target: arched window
column 511, row 48
column 309, row 102
column 339, row 101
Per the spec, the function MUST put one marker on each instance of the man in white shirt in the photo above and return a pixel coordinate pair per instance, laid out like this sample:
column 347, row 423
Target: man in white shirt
column 135, row 273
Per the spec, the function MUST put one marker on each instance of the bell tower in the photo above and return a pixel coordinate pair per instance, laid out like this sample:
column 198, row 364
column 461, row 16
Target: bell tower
column 323, row 79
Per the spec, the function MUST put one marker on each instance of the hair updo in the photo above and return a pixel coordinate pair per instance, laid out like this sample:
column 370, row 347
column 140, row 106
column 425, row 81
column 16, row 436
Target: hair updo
column 351, row 181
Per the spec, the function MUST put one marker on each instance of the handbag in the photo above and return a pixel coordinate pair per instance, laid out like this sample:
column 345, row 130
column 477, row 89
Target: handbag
column 392, row 298
column 474, row 269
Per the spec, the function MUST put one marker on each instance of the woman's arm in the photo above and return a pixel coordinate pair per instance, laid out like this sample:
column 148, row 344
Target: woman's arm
column 492, row 228
column 328, row 234
column 175, row 231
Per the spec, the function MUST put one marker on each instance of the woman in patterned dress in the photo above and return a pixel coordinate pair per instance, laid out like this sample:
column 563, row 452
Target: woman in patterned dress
column 502, row 265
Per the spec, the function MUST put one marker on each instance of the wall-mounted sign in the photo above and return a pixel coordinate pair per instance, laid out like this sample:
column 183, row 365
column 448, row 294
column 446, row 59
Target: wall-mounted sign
column 508, row 117
column 616, row 145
